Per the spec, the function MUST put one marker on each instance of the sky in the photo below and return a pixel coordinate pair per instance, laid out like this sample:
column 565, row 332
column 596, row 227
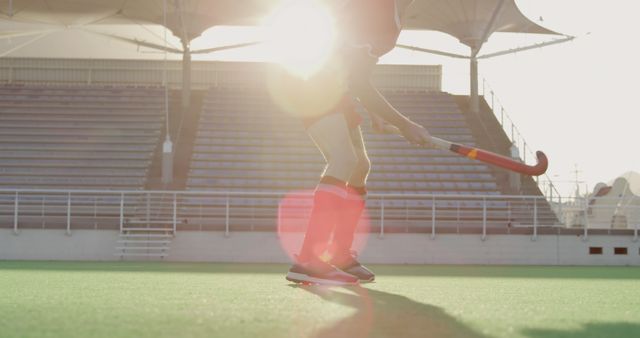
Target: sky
column 576, row 101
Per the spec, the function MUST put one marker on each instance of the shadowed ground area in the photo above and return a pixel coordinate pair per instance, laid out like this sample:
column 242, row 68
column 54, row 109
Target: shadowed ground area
column 126, row 299
column 590, row 330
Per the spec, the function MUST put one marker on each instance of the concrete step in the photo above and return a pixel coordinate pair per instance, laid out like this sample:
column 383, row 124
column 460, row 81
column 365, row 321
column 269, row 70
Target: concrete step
column 131, row 254
column 148, row 229
column 124, row 236
column 124, row 249
column 126, row 241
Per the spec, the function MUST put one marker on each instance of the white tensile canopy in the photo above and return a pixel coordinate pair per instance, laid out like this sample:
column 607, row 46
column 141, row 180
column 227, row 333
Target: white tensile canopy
column 467, row 20
column 472, row 22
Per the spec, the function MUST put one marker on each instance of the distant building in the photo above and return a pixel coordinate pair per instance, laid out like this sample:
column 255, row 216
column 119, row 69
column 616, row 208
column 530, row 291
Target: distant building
column 616, row 204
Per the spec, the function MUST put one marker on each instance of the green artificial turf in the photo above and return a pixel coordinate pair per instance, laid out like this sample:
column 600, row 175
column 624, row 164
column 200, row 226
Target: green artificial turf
column 132, row 299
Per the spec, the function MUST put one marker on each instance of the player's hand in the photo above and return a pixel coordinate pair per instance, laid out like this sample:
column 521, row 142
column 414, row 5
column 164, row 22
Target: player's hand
column 377, row 124
column 415, row 134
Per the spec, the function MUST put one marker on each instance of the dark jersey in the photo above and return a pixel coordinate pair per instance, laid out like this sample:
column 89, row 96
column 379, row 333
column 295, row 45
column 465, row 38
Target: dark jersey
column 365, row 27
column 371, row 24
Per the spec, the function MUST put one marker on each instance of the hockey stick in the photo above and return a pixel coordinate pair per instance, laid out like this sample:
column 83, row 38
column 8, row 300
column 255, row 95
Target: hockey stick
column 486, row 156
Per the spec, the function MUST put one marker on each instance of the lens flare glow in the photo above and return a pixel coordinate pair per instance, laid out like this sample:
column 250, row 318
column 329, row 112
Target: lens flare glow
column 300, row 36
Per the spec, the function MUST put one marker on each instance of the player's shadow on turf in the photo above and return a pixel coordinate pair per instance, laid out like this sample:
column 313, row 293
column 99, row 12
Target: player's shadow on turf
column 382, row 314
column 590, row 330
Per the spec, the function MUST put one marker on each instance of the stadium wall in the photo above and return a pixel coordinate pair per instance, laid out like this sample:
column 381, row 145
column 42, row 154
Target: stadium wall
column 264, row 247
column 204, row 74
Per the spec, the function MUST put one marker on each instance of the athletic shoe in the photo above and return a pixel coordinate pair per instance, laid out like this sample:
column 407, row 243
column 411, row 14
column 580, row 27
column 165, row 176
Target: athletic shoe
column 350, row 265
column 319, row 272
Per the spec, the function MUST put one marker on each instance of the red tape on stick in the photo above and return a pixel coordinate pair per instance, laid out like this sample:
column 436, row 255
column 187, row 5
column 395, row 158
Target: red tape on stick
column 503, row 161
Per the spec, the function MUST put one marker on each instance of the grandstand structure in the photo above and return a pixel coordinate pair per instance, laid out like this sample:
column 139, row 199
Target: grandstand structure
column 78, row 137
column 81, row 152
column 244, row 156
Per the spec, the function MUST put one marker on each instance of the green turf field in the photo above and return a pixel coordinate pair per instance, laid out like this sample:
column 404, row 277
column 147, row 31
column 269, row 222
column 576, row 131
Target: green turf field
column 130, row 299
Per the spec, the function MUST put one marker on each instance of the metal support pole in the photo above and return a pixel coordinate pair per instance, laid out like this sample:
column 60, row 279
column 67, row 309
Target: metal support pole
column 475, row 100
column 200, row 214
column 15, row 214
column 493, row 98
column 95, row 213
column 69, row 214
column 560, row 211
column 458, row 217
column 585, row 236
column 635, row 233
column 148, row 208
column 186, row 76
column 121, row 212
column 381, row 235
column 535, row 219
column 226, row 219
column 433, row 217
column 484, row 218
column 175, row 213
column 42, row 212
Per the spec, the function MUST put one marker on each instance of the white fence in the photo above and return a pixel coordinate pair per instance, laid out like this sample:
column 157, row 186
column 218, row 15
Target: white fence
column 264, row 211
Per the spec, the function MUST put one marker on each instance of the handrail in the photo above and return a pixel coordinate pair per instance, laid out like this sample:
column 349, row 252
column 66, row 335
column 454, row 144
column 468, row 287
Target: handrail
column 516, row 138
column 225, row 193
column 26, row 206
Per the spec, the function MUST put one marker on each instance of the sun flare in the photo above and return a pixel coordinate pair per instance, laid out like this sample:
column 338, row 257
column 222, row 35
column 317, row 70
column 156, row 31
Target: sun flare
column 300, row 36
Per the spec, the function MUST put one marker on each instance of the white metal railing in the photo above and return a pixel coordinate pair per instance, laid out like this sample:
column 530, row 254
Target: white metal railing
column 547, row 187
column 236, row 211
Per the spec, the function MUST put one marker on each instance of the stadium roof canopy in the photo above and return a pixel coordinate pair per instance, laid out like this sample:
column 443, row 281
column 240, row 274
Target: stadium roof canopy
column 471, row 21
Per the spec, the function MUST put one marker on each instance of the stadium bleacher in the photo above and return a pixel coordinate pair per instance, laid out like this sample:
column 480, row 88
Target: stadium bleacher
column 245, row 143
column 78, row 137
column 98, row 137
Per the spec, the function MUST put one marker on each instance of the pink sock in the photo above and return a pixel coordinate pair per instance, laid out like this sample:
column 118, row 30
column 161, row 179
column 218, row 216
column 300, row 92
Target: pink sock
column 327, row 202
column 352, row 207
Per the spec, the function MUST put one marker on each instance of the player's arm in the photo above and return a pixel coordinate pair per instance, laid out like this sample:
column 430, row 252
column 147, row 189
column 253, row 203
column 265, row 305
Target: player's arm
column 362, row 87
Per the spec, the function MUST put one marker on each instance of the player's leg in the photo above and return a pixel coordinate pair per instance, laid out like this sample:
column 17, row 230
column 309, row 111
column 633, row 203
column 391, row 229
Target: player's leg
column 331, row 136
column 356, row 195
column 351, row 212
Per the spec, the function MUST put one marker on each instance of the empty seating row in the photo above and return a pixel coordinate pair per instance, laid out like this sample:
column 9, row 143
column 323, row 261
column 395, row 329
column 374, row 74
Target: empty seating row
column 375, row 185
column 102, row 90
column 245, row 142
column 72, row 137
column 298, row 134
column 199, row 167
column 84, row 110
column 376, row 175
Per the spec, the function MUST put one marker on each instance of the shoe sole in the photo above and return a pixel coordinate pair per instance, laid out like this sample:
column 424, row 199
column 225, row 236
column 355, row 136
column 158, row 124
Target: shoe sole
column 361, row 280
column 370, row 280
column 304, row 279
